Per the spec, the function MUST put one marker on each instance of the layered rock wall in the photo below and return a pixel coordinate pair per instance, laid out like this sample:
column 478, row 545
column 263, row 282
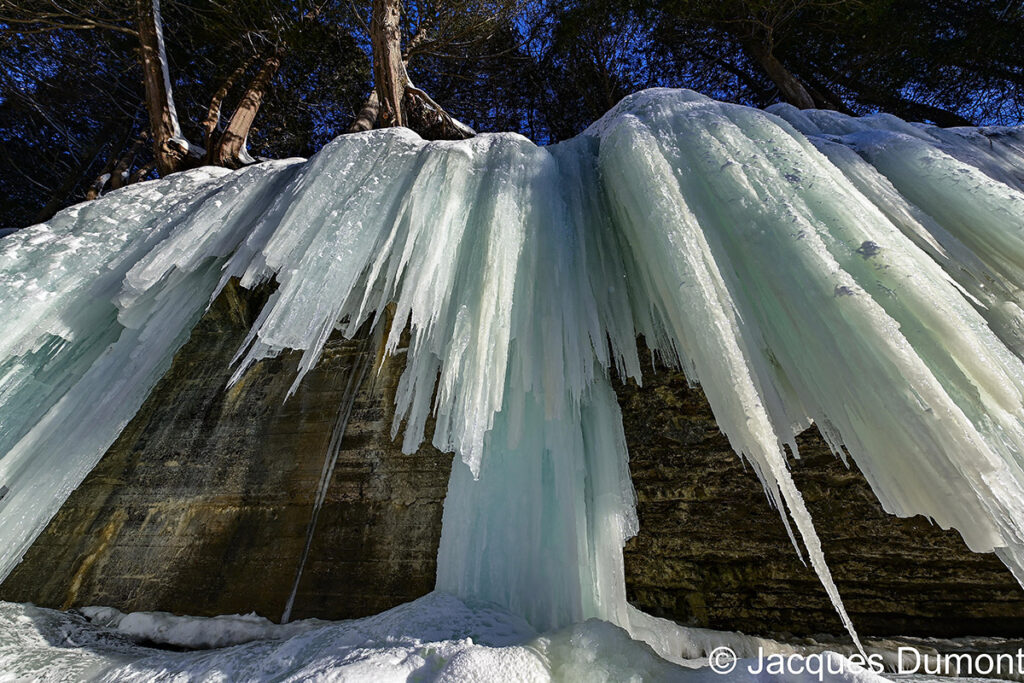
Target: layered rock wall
column 711, row 551
column 203, row 504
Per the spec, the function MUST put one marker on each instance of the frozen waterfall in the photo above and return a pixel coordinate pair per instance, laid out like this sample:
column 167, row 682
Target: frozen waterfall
column 863, row 274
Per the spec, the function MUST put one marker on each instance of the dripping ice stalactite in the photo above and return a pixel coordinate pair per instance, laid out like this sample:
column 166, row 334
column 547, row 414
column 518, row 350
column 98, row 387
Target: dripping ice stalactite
column 861, row 274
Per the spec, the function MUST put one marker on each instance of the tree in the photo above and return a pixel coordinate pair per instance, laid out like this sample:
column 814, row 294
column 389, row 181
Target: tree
column 760, row 27
column 72, row 101
column 948, row 62
column 951, row 62
column 88, row 102
column 432, row 27
column 172, row 150
column 59, row 120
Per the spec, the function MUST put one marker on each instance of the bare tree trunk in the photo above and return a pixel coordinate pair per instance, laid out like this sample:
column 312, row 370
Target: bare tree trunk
column 119, row 176
column 100, row 182
column 115, row 172
column 96, row 188
column 231, row 151
column 141, row 172
column 212, row 119
column 790, row 87
column 366, row 119
column 826, row 98
column 388, row 70
column 429, row 120
column 394, row 101
column 369, row 113
column 169, row 146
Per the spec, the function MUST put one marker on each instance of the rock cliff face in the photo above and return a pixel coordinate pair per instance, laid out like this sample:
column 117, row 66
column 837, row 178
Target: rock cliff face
column 711, row 552
column 204, row 503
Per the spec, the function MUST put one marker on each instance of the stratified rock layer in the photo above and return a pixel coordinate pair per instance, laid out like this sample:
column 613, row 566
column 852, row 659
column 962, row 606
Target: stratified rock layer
column 711, row 552
column 202, row 506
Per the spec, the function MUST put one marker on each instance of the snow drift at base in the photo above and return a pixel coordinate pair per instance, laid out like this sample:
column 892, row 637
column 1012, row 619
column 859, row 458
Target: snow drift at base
column 861, row 274
column 437, row 638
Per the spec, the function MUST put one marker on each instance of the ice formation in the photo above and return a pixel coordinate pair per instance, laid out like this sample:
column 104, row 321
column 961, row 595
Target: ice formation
column 863, row 274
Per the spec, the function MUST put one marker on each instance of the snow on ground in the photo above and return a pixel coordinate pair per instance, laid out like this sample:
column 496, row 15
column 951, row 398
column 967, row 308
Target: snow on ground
column 435, row 638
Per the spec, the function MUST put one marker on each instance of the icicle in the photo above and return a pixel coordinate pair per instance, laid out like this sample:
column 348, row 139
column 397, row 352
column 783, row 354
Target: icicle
column 863, row 274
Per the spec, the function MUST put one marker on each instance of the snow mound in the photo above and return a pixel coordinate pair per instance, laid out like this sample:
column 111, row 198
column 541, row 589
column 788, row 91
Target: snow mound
column 437, row 638
column 195, row 633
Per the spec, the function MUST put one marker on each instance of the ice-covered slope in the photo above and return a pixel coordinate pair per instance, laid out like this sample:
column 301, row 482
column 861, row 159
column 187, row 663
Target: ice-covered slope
column 863, row 274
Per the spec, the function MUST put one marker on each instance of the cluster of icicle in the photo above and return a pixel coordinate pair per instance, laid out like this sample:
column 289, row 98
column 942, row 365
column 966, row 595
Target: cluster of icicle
column 863, row 274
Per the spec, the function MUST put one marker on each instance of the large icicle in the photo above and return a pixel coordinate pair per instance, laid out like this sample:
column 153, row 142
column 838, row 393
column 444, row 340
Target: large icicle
column 862, row 274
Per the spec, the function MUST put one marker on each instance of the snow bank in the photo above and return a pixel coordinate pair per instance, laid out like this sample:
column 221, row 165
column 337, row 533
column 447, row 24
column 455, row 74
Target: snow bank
column 195, row 633
column 436, row 638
